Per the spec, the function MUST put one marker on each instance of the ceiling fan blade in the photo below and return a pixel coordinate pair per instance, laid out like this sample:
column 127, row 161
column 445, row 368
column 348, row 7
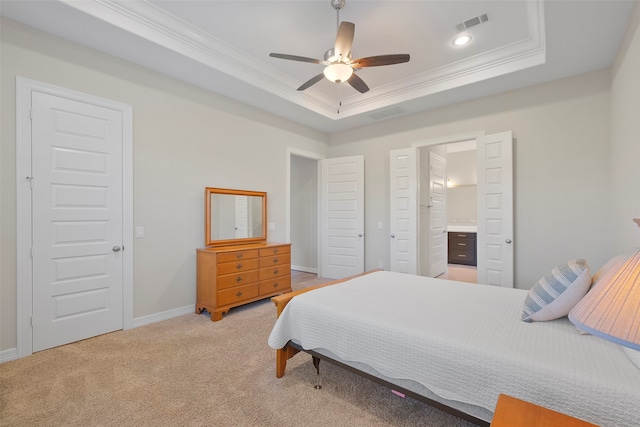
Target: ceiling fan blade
column 295, row 58
column 375, row 61
column 311, row 81
column 357, row 83
column 344, row 39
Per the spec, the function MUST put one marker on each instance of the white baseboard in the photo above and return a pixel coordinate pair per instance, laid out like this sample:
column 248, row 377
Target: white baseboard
column 8, row 355
column 158, row 317
column 12, row 353
column 305, row 269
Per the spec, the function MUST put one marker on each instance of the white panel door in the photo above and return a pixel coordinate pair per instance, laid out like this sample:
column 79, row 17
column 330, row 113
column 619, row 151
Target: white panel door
column 77, row 220
column 403, row 214
column 342, row 217
column 242, row 217
column 437, row 215
column 495, row 209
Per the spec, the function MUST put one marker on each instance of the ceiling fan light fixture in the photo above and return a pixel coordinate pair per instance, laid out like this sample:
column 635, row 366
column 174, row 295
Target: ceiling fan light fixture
column 462, row 40
column 339, row 64
column 330, row 56
column 338, row 72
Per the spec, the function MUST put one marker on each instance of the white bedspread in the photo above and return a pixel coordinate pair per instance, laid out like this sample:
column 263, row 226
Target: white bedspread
column 465, row 343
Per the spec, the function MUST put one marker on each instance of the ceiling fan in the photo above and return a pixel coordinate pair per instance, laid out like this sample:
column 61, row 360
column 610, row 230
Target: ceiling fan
column 339, row 65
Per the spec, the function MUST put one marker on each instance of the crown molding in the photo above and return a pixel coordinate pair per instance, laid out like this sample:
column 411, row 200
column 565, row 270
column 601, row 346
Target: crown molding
column 166, row 30
column 510, row 58
column 151, row 23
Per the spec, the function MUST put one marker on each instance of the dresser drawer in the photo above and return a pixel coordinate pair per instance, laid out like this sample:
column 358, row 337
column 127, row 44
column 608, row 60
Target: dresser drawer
column 240, row 293
column 462, row 245
column 237, row 256
column 462, row 257
column 277, row 250
column 275, row 285
column 275, row 260
column 231, row 280
column 462, row 236
column 237, row 266
column 273, row 272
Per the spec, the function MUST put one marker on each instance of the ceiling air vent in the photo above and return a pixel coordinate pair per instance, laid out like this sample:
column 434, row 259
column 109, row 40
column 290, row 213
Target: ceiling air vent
column 477, row 20
column 386, row 113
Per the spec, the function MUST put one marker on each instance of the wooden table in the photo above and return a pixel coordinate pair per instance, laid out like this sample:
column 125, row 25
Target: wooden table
column 512, row 412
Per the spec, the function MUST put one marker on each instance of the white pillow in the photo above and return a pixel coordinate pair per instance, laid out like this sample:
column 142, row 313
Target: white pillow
column 634, row 355
column 558, row 292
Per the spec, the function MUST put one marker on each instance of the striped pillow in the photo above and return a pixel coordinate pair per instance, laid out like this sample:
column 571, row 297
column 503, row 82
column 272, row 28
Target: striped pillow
column 558, row 292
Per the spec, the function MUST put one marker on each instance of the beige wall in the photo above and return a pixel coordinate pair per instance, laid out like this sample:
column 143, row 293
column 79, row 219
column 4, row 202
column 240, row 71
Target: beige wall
column 184, row 139
column 625, row 138
column 462, row 167
column 576, row 151
column 304, row 213
column 462, row 197
column 562, row 173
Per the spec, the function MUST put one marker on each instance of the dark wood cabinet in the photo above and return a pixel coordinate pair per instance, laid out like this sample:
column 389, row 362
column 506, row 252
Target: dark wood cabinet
column 462, row 248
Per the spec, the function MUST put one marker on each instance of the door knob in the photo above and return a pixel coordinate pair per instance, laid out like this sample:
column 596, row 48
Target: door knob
column 116, row 248
column 508, row 241
column 393, row 235
column 359, row 234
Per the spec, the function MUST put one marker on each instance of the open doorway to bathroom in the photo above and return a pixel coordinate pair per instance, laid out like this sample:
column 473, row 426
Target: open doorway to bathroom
column 455, row 222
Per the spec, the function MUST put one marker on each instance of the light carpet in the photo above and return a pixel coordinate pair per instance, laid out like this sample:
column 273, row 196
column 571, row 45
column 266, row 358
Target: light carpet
column 189, row 371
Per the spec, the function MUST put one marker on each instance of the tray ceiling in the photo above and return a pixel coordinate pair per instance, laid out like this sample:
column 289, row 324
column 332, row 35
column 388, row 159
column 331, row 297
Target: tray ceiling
column 224, row 46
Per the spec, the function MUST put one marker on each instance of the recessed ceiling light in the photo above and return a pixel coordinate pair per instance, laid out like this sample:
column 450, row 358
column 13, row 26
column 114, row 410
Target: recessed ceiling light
column 462, row 40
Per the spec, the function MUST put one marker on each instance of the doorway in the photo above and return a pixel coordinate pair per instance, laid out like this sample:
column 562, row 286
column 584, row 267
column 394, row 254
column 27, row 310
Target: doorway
column 448, row 223
column 325, row 213
column 303, row 213
column 495, row 252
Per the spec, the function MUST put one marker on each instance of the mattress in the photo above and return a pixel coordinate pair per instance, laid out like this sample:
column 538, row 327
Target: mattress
column 464, row 343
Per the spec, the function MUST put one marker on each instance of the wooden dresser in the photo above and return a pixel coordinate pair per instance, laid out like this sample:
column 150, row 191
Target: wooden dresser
column 462, row 248
column 229, row 276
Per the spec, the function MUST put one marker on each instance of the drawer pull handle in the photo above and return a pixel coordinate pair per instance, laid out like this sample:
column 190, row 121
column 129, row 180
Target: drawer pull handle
column 239, row 293
column 275, row 260
column 275, row 271
column 462, row 256
column 275, row 284
column 239, row 266
column 462, row 235
column 239, row 279
column 275, row 251
column 239, row 255
column 462, row 244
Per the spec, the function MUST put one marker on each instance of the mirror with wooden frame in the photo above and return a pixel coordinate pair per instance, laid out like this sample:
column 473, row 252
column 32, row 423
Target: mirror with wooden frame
column 234, row 216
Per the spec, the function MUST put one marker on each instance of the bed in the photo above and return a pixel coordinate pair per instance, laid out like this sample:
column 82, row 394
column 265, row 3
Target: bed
column 457, row 346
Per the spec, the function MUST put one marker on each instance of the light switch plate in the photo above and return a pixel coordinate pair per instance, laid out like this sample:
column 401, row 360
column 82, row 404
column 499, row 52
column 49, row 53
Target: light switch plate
column 271, row 226
column 139, row 231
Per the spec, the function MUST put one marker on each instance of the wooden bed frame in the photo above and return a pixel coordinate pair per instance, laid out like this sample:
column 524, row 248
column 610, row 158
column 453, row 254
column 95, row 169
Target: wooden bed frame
column 291, row 349
column 281, row 301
